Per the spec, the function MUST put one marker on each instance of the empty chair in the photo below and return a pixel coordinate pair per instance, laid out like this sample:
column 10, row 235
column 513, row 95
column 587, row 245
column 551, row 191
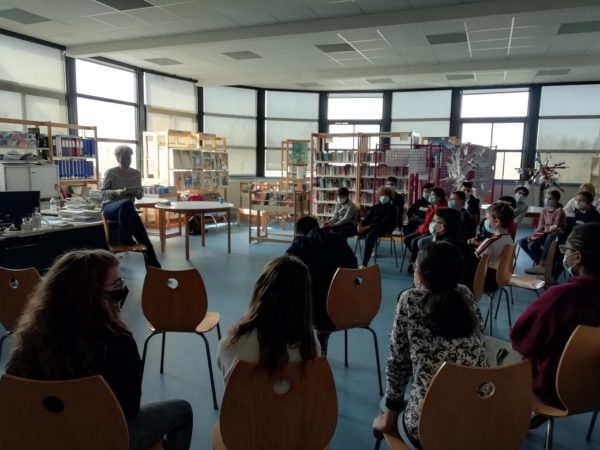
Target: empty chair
column 15, row 287
column 532, row 282
column 576, row 379
column 120, row 248
column 474, row 407
column 353, row 301
column 296, row 412
column 176, row 301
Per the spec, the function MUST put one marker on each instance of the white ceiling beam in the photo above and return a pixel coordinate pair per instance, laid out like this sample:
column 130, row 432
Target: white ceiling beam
column 413, row 16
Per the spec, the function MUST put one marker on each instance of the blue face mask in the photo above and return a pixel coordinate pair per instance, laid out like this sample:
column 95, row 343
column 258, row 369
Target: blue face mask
column 432, row 230
column 433, row 199
column 489, row 228
column 548, row 202
column 451, row 204
column 384, row 199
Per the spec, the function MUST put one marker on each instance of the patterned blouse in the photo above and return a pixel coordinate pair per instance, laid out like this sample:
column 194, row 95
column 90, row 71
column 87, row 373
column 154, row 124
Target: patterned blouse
column 416, row 352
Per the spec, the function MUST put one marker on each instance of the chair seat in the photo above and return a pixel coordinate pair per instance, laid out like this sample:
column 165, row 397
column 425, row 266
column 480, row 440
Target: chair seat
column 127, row 248
column 542, row 408
column 526, row 282
column 395, row 442
column 210, row 321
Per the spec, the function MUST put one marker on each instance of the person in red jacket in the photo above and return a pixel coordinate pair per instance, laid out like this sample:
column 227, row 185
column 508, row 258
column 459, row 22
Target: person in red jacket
column 437, row 199
column 544, row 328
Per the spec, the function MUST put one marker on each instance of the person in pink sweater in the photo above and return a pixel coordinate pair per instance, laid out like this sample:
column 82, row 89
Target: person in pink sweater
column 544, row 328
column 553, row 223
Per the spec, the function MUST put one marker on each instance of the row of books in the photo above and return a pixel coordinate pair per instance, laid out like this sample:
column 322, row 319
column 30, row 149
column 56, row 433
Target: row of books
column 336, row 156
column 383, row 171
column 73, row 146
column 347, row 171
column 335, row 183
column 75, row 169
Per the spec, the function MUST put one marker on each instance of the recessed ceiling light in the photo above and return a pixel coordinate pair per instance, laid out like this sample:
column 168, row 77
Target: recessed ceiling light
column 163, row 61
column 463, row 76
column 124, row 5
column 579, row 27
column 242, row 55
column 551, row 72
column 24, row 17
column 335, row 48
column 448, row 38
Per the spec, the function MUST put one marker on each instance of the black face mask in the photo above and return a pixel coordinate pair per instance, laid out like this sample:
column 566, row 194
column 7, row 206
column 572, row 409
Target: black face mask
column 119, row 296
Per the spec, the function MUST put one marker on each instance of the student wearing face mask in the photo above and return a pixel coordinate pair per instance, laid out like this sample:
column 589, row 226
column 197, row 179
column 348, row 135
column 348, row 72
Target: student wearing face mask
column 467, row 228
column 571, row 205
column 521, row 194
column 552, row 223
column 344, row 218
column 584, row 211
column 380, row 220
column 542, row 331
column 472, row 203
column 398, row 200
column 416, row 213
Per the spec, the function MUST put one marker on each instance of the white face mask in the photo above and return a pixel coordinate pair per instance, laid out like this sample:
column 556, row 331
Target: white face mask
column 520, row 198
column 566, row 265
column 425, row 195
column 342, row 199
column 384, row 199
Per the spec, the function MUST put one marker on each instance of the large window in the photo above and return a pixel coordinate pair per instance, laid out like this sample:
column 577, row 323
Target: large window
column 289, row 115
column 106, row 98
column 569, row 128
column 424, row 112
column 171, row 104
column 231, row 112
column 496, row 118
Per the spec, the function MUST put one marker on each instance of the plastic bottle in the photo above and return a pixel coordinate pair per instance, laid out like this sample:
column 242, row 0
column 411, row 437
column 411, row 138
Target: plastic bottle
column 53, row 205
column 36, row 219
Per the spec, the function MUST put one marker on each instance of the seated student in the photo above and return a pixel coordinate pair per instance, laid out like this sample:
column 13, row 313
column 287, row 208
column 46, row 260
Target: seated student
column 398, row 200
column 437, row 199
column 467, row 227
column 552, row 223
column 323, row 253
column 345, row 215
column 447, row 229
column 416, row 213
column 472, row 203
column 512, row 228
column 497, row 218
column 121, row 186
column 71, row 329
column 436, row 322
column 571, row 205
column 380, row 220
column 542, row 331
column 521, row 194
column 584, row 211
column 277, row 328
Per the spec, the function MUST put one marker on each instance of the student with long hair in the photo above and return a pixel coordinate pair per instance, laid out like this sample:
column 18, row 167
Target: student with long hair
column 71, row 329
column 277, row 329
column 436, row 322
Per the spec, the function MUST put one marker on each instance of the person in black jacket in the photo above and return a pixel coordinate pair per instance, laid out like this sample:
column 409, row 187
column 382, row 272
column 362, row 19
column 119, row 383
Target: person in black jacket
column 398, row 200
column 473, row 202
column 416, row 212
column 71, row 328
column 323, row 253
column 380, row 220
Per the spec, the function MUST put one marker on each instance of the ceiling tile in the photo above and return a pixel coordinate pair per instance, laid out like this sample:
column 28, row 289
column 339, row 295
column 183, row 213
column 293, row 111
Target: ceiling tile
column 373, row 6
column 552, row 72
column 293, row 14
column 124, row 5
column 192, row 10
column 180, row 26
column 153, row 15
column 378, row 44
column 324, row 10
column 88, row 24
column 420, row 4
column 365, row 34
column 449, row 38
column 227, row 7
column 385, row 53
column 487, row 35
column 242, row 55
column 488, row 22
column 119, row 19
column 487, row 45
column 163, row 61
column 335, row 48
column 21, row 16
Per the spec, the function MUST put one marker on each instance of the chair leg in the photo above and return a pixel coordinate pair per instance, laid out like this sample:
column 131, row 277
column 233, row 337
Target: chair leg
column 377, row 359
column 346, row 348
column 219, row 331
column 145, row 255
column 507, row 306
column 549, row 432
column 378, row 444
column 588, row 436
column 376, row 248
column 498, row 305
column 403, row 257
column 162, row 353
column 512, row 297
column 395, row 253
column 210, row 371
column 154, row 333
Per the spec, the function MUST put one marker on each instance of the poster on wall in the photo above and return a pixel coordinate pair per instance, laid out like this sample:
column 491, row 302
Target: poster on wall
column 299, row 153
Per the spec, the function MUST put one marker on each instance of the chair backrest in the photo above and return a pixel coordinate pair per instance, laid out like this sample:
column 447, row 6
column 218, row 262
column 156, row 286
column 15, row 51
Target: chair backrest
column 81, row 414
column 579, row 371
column 297, row 413
column 480, row 274
column 174, row 300
column 504, row 270
column 457, row 414
column 549, row 263
column 16, row 285
column 354, row 297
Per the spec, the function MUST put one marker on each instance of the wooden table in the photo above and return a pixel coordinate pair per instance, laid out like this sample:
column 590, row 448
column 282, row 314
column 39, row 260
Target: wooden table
column 147, row 203
column 188, row 209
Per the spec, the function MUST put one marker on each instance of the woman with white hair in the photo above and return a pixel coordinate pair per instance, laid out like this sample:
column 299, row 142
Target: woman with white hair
column 120, row 187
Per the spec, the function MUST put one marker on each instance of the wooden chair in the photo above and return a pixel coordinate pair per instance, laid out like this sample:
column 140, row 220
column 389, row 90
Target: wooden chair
column 81, row 414
column 176, row 301
column 503, row 274
column 16, row 285
column 456, row 415
column 576, row 379
column 297, row 413
column 353, row 301
column 118, row 248
column 532, row 282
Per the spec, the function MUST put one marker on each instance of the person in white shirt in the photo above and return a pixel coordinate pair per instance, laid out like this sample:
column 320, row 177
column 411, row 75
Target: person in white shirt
column 277, row 329
column 571, row 205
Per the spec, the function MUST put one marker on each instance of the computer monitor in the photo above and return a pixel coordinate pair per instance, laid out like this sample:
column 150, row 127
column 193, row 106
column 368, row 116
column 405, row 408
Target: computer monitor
column 15, row 205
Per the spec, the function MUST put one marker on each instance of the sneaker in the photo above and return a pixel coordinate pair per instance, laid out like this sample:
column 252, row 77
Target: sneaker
column 362, row 266
column 536, row 270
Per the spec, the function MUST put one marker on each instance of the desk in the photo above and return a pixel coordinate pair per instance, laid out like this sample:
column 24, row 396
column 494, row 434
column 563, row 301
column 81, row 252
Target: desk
column 188, row 209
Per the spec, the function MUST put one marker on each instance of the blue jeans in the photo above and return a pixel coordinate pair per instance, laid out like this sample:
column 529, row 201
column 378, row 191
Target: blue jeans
column 537, row 249
column 172, row 420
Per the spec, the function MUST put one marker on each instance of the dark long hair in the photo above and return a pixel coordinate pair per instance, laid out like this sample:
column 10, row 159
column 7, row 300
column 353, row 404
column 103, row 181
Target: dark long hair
column 447, row 313
column 57, row 335
column 281, row 312
column 585, row 238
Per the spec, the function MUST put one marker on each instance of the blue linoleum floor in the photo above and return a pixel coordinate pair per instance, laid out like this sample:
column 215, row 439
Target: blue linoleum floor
column 229, row 279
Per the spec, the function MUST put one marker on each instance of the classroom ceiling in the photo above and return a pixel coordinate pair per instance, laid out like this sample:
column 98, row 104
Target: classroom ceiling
column 328, row 44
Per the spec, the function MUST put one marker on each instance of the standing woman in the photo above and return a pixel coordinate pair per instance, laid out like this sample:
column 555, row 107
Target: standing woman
column 121, row 186
column 277, row 329
column 71, row 329
column 436, row 322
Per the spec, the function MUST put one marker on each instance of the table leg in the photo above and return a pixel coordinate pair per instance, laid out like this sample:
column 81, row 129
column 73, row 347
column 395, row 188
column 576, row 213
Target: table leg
column 187, row 217
column 228, row 231
column 161, row 229
column 202, row 228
